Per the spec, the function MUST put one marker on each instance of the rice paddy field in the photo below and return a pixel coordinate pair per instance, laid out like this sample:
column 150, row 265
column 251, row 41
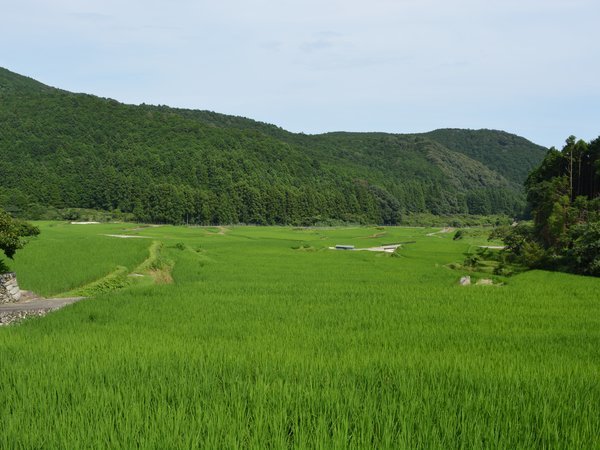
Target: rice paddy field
column 262, row 337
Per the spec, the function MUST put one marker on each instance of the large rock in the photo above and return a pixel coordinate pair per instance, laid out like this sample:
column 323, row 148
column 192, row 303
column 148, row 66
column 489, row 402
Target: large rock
column 9, row 288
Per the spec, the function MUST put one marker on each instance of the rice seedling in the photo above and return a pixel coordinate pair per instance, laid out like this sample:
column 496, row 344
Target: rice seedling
column 259, row 345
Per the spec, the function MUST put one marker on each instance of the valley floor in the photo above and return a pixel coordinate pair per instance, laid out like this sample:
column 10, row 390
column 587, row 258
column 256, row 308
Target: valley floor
column 264, row 338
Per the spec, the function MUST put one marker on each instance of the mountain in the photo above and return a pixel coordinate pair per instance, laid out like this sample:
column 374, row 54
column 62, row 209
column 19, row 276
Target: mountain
column 505, row 153
column 64, row 150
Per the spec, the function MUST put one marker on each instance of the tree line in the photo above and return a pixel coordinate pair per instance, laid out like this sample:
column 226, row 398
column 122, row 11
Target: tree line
column 60, row 151
column 563, row 194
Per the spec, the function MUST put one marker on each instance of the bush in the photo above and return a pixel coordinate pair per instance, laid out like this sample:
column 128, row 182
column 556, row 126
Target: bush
column 471, row 261
column 585, row 254
column 12, row 236
column 533, row 255
column 458, row 235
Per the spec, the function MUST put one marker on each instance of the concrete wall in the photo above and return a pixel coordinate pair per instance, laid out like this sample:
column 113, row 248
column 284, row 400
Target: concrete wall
column 9, row 288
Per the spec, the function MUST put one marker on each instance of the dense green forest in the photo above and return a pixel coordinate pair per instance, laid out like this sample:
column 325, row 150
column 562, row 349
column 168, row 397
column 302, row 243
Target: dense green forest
column 564, row 197
column 158, row 164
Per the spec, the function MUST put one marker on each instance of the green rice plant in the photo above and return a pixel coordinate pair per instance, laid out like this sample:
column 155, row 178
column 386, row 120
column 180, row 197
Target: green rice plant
column 115, row 280
column 65, row 257
column 256, row 345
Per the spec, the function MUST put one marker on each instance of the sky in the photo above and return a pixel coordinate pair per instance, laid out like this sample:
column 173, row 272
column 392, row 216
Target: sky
column 529, row 67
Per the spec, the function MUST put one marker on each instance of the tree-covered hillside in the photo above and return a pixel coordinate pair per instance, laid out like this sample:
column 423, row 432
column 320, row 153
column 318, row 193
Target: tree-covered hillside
column 564, row 196
column 61, row 150
column 505, row 153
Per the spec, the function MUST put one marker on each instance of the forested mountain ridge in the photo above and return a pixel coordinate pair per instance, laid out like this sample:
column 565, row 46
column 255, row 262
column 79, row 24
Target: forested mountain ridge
column 12, row 83
column 505, row 153
column 510, row 155
column 59, row 149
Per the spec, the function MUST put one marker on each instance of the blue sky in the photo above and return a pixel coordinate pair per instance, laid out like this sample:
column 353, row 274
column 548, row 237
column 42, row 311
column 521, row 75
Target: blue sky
column 529, row 67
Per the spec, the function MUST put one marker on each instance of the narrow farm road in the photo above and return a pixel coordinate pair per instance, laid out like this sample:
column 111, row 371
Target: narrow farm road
column 32, row 305
column 443, row 230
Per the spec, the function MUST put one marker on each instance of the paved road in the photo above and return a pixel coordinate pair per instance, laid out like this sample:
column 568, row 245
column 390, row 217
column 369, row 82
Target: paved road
column 46, row 304
column 32, row 306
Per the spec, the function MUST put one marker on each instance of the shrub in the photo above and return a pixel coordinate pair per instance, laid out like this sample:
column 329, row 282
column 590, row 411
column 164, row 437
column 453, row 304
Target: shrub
column 12, row 235
column 471, row 261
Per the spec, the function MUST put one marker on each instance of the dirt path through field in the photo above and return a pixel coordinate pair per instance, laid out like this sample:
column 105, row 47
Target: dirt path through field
column 390, row 248
column 221, row 231
column 127, row 236
column 443, row 230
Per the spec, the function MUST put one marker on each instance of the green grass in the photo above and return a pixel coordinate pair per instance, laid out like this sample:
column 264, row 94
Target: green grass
column 259, row 345
column 66, row 256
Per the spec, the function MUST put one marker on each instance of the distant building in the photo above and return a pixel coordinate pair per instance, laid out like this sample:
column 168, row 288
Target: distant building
column 344, row 247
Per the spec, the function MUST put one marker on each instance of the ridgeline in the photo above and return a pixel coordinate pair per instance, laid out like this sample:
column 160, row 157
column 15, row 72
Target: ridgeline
column 159, row 164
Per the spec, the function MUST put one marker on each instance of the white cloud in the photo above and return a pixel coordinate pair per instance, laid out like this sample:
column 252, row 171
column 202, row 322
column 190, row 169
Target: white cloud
column 394, row 65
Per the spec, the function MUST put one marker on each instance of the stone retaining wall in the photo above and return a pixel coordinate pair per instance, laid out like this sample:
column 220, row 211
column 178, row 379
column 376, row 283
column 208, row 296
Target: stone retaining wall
column 8, row 317
column 9, row 288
